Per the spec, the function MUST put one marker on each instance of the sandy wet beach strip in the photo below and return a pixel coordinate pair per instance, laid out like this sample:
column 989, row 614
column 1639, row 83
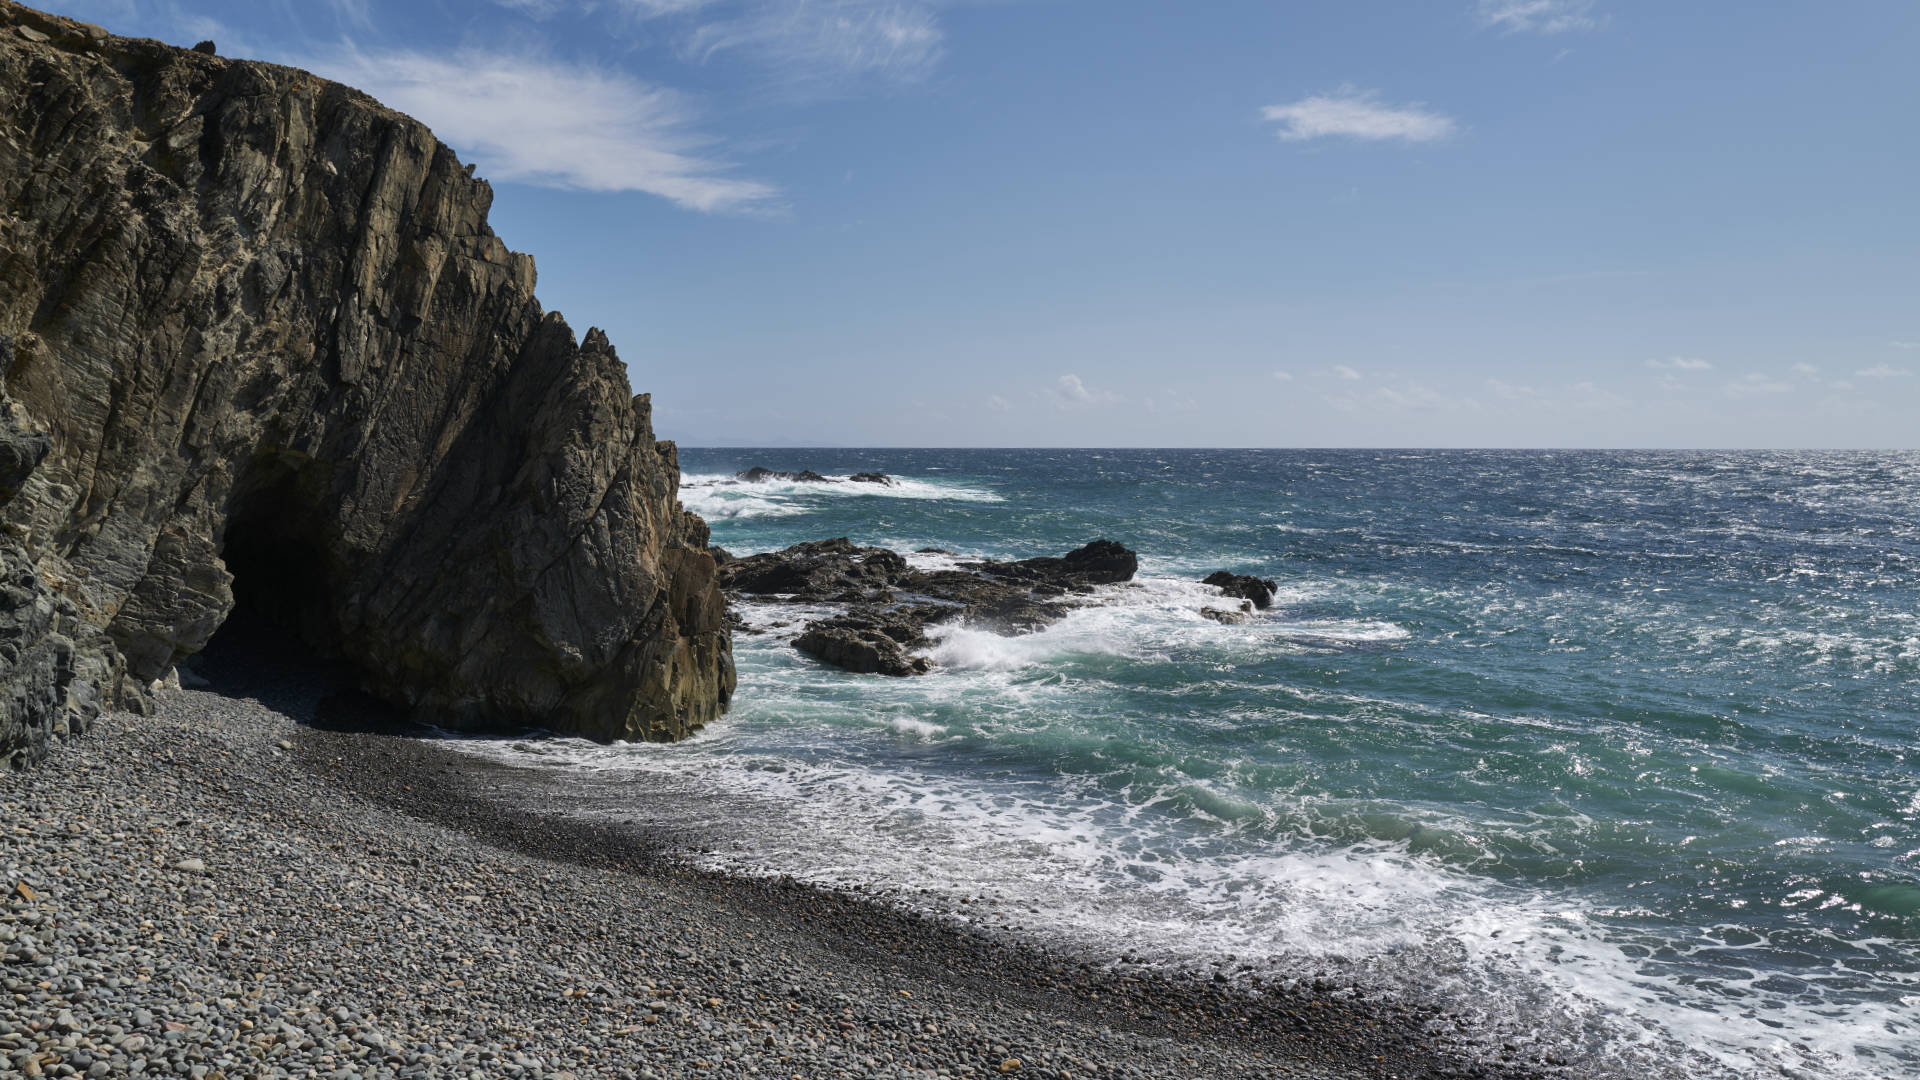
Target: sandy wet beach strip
column 218, row 890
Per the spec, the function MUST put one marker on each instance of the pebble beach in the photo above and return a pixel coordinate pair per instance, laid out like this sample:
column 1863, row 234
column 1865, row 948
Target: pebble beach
column 228, row 889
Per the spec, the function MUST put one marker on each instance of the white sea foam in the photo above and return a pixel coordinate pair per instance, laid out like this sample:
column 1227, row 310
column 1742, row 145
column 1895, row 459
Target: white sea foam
column 719, row 497
column 1135, row 862
column 920, row 729
column 1055, row 863
column 1157, row 616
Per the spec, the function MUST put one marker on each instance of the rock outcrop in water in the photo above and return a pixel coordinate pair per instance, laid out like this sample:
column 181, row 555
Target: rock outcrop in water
column 1259, row 591
column 891, row 604
column 760, row 474
column 260, row 347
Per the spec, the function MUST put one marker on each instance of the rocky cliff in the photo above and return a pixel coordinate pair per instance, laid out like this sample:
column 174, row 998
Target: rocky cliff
column 260, row 348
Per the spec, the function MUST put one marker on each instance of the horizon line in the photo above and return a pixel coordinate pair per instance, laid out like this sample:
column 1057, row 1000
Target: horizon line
column 1335, row 449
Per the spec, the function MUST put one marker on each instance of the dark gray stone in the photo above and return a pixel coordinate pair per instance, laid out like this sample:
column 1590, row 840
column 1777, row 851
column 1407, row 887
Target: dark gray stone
column 1243, row 587
column 891, row 604
column 259, row 343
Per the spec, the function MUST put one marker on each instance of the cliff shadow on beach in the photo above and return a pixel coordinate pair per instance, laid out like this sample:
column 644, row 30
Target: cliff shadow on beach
column 253, row 657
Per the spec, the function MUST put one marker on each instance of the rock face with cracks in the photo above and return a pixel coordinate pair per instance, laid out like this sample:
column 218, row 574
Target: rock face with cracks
column 261, row 348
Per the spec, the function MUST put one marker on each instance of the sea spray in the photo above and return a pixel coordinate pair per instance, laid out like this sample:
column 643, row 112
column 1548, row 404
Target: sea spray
column 1608, row 750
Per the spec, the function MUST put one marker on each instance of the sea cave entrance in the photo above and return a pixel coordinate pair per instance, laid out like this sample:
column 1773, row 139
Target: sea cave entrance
column 275, row 548
column 281, row 642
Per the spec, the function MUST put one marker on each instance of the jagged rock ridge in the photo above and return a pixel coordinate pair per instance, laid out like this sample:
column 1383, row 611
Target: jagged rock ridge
column 258, row 341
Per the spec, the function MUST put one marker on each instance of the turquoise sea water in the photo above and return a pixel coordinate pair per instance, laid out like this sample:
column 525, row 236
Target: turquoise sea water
column 1620, row 751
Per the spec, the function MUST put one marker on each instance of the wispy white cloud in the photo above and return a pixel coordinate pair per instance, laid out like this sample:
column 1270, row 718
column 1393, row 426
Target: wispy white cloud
column 1882, row 371
column 1355, row 114
column 1282, row 376
column 816, row 44
column 354, row 13
column 538, row 9
column 1680, row 363
column 1342, row 371
column 1905, row 344
column 829, row 42
column 1807, row 370
column 643, row 9
column 1539, row 16
column 1069, row 392
column 998, row 403
column 655, row 8
column 554, row 123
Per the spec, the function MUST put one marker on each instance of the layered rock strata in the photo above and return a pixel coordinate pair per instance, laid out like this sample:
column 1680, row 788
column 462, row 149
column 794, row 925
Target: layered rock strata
column 261, row 348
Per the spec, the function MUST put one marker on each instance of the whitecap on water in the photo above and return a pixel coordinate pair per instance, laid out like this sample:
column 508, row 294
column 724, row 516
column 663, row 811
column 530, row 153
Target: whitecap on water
column 719, row 497
column 1155, row 617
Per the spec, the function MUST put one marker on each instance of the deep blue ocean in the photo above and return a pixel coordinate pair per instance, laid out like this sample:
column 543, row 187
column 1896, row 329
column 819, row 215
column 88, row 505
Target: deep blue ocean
column 1615, row 750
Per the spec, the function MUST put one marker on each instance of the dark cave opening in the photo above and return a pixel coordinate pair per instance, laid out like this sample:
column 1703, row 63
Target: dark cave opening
column 275, row 548
column 280, row 643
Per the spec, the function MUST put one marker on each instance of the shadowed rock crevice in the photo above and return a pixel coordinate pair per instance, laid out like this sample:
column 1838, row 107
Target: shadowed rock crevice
column 261, row 348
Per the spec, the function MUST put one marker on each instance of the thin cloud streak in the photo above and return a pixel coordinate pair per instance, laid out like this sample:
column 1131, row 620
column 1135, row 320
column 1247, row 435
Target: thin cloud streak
column 1353, row 114
column 1539, row 16
column 640, row 9
column 354, row 13
column 554, row 124
column 824, row 43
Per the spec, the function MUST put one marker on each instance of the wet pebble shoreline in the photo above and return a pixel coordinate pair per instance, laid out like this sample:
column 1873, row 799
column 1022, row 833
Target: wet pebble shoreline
column 219, row 891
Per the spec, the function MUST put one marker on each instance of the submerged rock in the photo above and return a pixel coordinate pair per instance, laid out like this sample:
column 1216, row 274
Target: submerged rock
column 1236, row 617
column 892, row 604
column 1243, row 586
column 261, row 347
column 871, row 478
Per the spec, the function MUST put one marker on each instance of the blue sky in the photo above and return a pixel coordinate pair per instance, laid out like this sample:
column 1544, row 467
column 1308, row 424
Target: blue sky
column 1046, row 222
